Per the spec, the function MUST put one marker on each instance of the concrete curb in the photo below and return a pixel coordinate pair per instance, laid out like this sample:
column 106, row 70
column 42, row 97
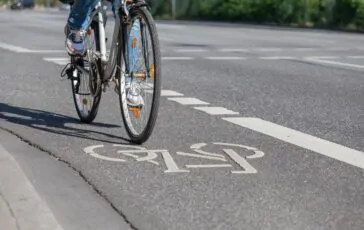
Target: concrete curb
column 20, row 205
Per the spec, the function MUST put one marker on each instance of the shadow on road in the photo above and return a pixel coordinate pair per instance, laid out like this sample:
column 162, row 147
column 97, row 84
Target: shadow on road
column 56, row 123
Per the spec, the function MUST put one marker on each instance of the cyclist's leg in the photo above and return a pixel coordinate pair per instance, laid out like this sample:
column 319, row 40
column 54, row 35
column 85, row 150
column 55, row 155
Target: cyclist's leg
column 76, row 23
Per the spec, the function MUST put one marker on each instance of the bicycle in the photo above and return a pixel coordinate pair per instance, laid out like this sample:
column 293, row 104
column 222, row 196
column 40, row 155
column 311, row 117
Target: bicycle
column 103, row 69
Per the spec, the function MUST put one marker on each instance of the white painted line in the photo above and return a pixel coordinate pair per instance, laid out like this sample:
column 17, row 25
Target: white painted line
column 18, row 49
column 225, row 58
column 269, row 49
column 216, row 111
column 47, row 51
column 190, row 50
column 59, row 61
column 232, row 50
column 170, row 163
column 177, row 58
column 275, row 58
column 315, row 144
column 201, row 156
column 304, row 49
column 169, row 93
column 188, row 101
column 337, row 63
column 12, row 48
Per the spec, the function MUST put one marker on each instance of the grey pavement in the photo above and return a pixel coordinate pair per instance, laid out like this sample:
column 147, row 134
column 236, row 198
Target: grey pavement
column 38, row 192
column 266, row 127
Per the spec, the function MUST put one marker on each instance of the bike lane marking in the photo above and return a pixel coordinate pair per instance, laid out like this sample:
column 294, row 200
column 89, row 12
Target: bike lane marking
column 315, row 144
column 232, row 156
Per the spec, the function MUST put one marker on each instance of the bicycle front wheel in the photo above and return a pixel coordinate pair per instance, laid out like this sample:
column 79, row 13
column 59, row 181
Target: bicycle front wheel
column 141, row 68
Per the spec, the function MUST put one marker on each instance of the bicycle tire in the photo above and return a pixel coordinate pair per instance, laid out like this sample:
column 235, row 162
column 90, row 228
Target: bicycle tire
column 89, row 117
column 146, row 133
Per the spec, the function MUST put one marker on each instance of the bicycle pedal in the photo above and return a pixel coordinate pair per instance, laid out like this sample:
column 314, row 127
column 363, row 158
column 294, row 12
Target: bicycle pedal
column 67, row 70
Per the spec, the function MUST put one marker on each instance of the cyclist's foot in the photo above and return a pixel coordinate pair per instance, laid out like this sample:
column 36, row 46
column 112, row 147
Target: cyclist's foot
column 133, row 96
column 74, row 42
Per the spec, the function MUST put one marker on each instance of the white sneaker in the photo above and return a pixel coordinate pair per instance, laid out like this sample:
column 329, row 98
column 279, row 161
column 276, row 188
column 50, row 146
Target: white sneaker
column 74, row 43
column 133, row 97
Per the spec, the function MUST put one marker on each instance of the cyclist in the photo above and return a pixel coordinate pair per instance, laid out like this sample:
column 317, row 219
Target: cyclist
column 77, row 22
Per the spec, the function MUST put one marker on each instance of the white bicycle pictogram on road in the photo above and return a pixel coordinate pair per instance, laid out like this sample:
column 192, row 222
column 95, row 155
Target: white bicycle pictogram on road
column 221, row 160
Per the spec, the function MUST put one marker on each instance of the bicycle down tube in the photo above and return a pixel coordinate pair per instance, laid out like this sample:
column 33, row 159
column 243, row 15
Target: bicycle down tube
column 109, row 63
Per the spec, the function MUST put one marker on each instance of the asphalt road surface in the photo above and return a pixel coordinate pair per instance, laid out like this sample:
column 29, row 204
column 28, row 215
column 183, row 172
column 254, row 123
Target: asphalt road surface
column 265, row 125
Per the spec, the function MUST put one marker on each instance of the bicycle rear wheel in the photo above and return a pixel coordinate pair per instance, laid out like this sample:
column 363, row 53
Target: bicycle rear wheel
column 86, row 85
column 141, row 67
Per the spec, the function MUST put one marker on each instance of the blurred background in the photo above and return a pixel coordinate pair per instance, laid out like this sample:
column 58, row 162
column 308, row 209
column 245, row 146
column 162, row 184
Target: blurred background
column 348, row 14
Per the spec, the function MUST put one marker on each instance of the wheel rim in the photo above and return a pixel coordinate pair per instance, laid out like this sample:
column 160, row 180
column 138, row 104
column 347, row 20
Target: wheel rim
column 86, row 89
column 143, row 72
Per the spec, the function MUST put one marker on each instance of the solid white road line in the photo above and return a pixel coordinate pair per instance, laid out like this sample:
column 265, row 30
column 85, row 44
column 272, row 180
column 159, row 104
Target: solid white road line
column 188, row 101
column 324, row 147
column 216, row 110
column 337, row 63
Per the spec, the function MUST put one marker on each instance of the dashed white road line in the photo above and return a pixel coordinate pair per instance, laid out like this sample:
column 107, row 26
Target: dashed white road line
column 216, row 110
column 178, row 58
column 270, row 49
column 315, row 144
column 304, row 49
column 226, row 58
column 170, row 93
column 12, row 48
column 58, row 61
column 190, row 50
column 188, row 101
column 232, row 50
column 276, row 58
column 19, row 49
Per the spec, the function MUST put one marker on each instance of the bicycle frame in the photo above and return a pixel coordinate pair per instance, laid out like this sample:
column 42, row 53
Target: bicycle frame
column 109, row 63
